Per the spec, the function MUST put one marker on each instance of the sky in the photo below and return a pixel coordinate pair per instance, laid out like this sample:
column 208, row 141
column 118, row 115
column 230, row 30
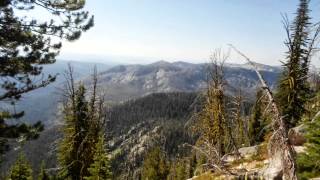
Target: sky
column 143, row 31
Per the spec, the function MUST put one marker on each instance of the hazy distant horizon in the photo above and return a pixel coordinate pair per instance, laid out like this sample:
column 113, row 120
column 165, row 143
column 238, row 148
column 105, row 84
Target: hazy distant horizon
column 127, row 60
column 145, row 31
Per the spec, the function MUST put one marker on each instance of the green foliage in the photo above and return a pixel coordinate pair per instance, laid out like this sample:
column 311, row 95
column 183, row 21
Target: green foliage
column 237, row 130
column 309, row 162
column 181, row 171
column 100, row 168
column 212, row 117
column 259, row 120
column 183, row 168
column 213, row 126
column 26, row 45
column 155, row 166
column 76, row 148
column 84, row 122
column 43, row 175
column 193, row 164
column 70, row 152
column 173, row 105
column 21, row 170
column 24, row 131
column 170, row 111
column 294, row 88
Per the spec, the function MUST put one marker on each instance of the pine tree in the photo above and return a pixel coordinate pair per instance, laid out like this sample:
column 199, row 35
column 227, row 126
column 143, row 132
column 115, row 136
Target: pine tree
column 237, row 128
column 294, row 90
column 193, row 165
column 43, row 174
column 155, row 166
column 181, row 171
column 308, row 163
column 84, row 121
column 26, row 46
column 21, row 170
column 71, row 152
column 100, row 168
column 213, row 126
column 258, row 121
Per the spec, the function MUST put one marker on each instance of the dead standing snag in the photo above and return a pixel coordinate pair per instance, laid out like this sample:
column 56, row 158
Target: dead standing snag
column 279, row 143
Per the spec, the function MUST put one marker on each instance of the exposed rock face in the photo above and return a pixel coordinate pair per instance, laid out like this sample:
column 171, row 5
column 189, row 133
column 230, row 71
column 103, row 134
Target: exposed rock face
column 248, row 152
column 299, row 149
column 274, row 169
column 252, row 164
column 245, row 152
column 229, row 158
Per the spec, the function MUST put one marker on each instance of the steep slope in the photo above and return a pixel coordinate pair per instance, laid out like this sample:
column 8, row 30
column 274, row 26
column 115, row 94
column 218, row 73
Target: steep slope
column 137, row 125
column 133, row 127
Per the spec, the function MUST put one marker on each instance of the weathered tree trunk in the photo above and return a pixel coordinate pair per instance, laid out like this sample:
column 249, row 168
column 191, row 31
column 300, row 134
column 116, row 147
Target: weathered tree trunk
column 279, row 146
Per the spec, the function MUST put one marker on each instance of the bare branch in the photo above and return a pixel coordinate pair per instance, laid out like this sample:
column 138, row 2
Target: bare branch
column 316, row 117
column 279, row 142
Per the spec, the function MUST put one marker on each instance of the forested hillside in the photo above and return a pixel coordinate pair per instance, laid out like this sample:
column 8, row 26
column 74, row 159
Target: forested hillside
column 157, row 119
column 133, row 127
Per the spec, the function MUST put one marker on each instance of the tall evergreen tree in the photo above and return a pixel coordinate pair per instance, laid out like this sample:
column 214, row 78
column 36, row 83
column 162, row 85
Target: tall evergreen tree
column 184, row 168
column 71, row 153
column 100, row 168
column 294, row 90
column 26, row 44
column 237, row 127
column 258, row 121
column 21, row 170
column 181, row 171
column 212, row 126
column 155, row 165
column 43, row 174
column 84, row 121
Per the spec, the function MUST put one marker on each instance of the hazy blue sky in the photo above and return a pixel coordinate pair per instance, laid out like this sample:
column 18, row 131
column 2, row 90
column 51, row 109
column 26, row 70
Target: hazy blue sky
column 141, row 31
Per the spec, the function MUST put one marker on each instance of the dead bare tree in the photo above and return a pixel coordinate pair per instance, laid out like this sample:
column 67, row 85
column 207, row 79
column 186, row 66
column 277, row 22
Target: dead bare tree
column 279, row 145
column 212, row 126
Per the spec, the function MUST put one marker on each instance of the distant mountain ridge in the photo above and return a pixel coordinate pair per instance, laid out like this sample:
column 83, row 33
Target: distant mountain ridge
column 126, row 81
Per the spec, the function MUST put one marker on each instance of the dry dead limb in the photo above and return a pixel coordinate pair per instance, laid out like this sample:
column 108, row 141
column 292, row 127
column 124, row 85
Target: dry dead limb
column 279, row 142
column 316, row 116
column 214, row 164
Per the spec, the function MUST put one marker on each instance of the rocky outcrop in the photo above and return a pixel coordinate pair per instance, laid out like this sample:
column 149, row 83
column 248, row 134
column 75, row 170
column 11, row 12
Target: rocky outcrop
column 251, row 162
column 247, row 152
column 299, row 149
column 273, row 171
